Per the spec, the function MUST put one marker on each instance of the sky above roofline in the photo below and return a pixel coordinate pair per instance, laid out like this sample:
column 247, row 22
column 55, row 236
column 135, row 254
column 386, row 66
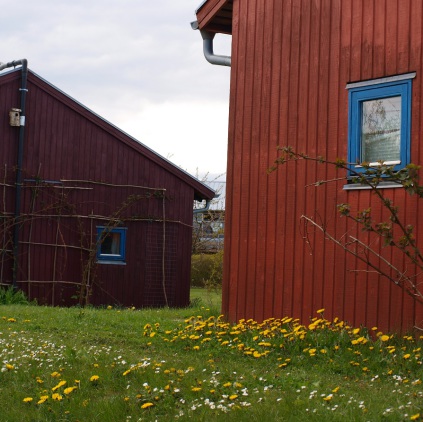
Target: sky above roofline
column 137, row 64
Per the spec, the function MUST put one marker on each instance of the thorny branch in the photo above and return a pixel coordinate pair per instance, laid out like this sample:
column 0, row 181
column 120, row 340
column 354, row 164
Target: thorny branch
column 371, row 176
column 401, row 280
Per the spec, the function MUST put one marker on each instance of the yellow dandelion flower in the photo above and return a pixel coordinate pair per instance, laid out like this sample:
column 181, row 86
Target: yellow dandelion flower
column 356, row 330
column 407, row 356
column 196, row 348
column 11, row 320
column 384, row 337
column 147, row 405
column 94, row 378
column 9, row 367
column 110, row 307
column 57, row 397
column 195, row 389
column 27, row 399
column 335, row 390
column 128, row 371
column 69, row 390
column 415, row 417
column 233, row 396
column 320, row 311
column 42, row 400
column 55, row 374
column 61, row 384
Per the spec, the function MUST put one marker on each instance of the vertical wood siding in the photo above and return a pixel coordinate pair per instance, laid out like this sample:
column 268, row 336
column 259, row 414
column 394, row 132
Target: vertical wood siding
column 100, row 168
column 291, row 61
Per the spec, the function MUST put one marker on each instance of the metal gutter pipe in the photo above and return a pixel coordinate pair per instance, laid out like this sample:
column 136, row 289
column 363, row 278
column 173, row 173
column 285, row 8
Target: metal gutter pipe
column 208, row 48
column 16, row 222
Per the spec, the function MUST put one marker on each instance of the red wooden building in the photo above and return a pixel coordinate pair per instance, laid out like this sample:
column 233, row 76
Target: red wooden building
column 88, row 214
column 306, row 73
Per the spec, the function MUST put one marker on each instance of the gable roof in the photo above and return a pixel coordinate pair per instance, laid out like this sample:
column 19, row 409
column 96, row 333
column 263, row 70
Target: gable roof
column 201, row 191
column 215, row 16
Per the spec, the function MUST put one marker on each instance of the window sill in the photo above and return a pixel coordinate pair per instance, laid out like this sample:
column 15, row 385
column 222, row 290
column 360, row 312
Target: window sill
column 104, row 262
column 381, row 185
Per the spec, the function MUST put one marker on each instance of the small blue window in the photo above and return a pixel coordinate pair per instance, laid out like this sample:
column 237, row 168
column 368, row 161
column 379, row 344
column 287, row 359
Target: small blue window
column 380, row 122
column 111, row 244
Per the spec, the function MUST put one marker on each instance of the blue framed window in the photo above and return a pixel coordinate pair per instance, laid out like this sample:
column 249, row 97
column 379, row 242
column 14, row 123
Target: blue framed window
column 111, row 244
column 380, row 121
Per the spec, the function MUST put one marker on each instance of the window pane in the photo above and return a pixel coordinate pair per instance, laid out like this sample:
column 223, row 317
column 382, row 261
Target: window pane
column 381, row 129
column 110, row 244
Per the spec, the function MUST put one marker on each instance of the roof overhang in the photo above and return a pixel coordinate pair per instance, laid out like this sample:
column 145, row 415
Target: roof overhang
column 215, row 16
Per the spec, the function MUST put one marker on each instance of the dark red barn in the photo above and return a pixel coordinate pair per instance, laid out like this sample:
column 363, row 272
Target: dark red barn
column 88, row 214
column 331, row 78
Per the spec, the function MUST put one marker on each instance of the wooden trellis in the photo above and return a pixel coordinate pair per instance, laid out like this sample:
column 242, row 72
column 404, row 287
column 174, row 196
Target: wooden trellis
column 59, row 206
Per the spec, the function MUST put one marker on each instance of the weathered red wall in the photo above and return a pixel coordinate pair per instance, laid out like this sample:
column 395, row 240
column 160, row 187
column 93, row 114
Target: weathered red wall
column 291, row 61
column 66, row 142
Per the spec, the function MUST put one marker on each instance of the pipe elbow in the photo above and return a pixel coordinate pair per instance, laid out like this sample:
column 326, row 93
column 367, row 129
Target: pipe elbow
column 212, row 58
column 204, row 209
column 14, row 63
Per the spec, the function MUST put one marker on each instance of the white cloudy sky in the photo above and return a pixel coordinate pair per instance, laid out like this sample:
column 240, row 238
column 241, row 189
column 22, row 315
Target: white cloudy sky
column 137, row 63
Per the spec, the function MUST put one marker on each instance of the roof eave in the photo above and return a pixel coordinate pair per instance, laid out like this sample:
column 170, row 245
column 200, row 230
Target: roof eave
column 215, row 16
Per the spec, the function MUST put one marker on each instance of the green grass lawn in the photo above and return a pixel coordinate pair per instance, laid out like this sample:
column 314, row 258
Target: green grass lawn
column 208, row 298
column 90, row 364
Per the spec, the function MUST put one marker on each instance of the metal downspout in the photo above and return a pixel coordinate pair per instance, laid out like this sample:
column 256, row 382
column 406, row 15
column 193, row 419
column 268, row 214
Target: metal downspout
column 208, row 38
column 16, row 222
column 204, row 209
